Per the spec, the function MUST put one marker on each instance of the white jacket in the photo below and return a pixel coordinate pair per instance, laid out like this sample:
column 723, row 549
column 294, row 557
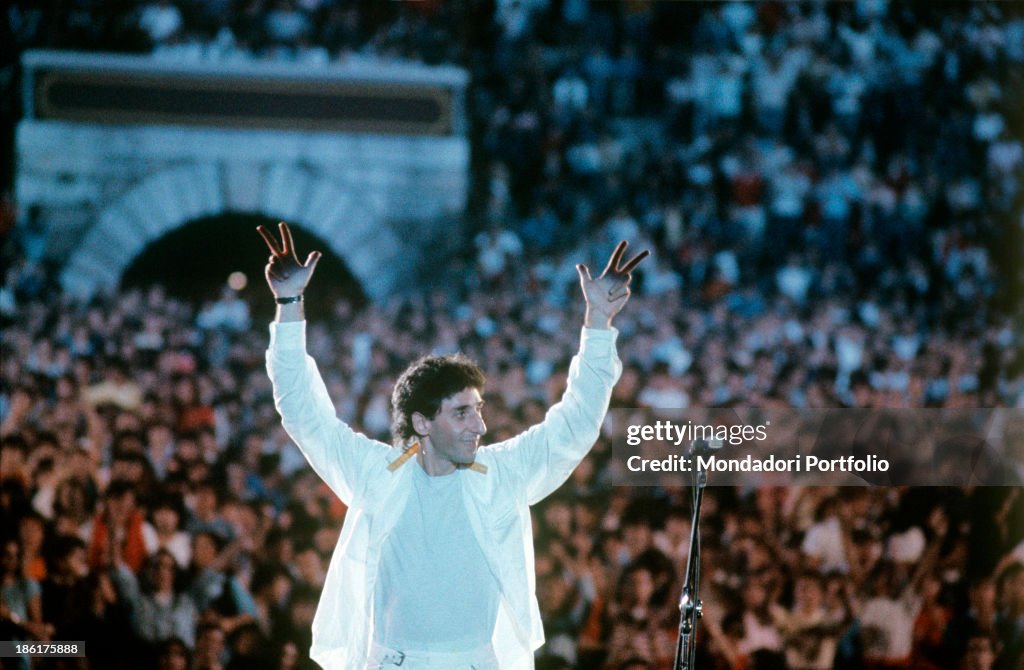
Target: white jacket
column 518, row 472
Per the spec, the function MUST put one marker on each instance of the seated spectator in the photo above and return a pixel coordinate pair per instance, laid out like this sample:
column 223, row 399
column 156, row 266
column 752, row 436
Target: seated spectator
column 285, row 24
column 1010, row 617
column 31, row 534
column 66, row 596
column 166, row 523
column 21, row 609
column 249, row 649
column 120, row 527
column 981, row 654
column 173, row 654
column 211, row 650
column 760, row 632
column 206, row 517
column 887, row 619
column 160, row 609
column 161, row 21
column 639, row 629
column 809, row 634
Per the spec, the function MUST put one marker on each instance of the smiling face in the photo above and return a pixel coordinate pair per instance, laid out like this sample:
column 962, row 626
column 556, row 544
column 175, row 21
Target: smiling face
column 451, row 438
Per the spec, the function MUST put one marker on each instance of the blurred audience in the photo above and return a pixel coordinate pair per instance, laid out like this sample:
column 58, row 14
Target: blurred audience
column 833, row 195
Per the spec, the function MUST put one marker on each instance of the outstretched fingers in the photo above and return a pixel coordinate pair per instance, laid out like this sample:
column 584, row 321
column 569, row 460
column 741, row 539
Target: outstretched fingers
column 613, row 262
column 269, row 239
column 286, row 238
column 635, row 261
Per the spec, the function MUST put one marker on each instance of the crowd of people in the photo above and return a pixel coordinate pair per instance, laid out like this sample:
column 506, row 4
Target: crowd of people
column 833, row 194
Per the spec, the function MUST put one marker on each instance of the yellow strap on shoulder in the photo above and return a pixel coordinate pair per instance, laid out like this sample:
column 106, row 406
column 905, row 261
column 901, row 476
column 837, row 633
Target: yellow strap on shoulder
column 414, row 449
column 406, row 455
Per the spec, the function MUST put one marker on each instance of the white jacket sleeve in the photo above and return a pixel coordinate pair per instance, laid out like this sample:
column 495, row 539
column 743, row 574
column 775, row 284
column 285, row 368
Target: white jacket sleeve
column 548, row 452
column 342, row 457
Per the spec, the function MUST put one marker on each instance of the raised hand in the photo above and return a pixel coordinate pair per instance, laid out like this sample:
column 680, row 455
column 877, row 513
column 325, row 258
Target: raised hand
column 286, row 276
column 607, row 294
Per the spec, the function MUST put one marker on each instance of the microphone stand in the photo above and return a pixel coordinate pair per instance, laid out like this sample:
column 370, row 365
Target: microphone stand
column 690, row 605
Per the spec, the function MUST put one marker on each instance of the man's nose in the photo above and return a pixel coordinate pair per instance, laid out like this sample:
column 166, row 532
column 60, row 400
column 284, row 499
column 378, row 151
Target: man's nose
column 478, row 426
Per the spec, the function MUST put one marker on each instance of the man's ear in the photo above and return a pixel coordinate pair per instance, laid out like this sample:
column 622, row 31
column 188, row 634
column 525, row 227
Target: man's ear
column 420, row 424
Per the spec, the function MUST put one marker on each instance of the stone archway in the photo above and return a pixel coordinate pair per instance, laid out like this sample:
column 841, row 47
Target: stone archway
column 371, row 158
column 349, row 222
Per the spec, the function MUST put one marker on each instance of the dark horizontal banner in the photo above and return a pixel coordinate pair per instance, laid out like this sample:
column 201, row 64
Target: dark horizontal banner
column 206, row 99
column 842, row 447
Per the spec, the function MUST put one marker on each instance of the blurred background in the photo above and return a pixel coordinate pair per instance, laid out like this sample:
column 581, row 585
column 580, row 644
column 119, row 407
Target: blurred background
column 832, row 192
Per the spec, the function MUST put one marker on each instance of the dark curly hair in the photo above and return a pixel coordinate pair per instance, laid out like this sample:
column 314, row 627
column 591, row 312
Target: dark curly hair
column 425, row 384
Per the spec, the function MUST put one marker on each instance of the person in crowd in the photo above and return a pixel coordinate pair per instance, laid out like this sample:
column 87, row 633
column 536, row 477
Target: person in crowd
column 21, row 609
column 121, row 525
column 160, row 609
column 66, row 594
column 640, row 628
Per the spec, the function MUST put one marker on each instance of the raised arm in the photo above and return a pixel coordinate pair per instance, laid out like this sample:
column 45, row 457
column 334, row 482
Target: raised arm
column 342, row 457
column 286, row 276
column 549, row 451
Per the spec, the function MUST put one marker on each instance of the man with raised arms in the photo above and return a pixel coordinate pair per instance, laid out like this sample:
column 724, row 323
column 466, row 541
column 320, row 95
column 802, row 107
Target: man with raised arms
column 434, row 566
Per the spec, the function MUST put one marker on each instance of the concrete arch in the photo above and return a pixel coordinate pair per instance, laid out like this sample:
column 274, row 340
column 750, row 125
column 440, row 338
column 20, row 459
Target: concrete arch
column 346, row 219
